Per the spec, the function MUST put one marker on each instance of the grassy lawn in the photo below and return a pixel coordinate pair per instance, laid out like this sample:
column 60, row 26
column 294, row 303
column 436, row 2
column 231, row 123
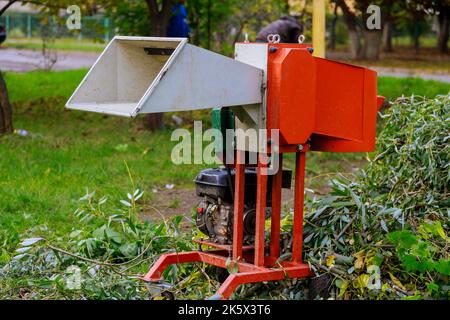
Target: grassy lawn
column 391, row 87
column 68, row 44
column 65, row 153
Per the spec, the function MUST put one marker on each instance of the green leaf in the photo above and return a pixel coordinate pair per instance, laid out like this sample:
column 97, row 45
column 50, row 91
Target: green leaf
column 30, row 241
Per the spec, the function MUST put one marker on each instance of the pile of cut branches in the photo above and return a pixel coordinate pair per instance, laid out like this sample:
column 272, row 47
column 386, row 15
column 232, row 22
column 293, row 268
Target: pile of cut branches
column 385, row 235
column 102, row 257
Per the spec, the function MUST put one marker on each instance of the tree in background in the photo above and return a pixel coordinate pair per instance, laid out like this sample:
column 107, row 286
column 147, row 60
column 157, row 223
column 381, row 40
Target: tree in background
column 355, row 18
column 45, row 6
column 442, row 9
column 415, row 15
column 159, row 13
column 142, row 17
column 218, row 25
column 6, row 112
column 390, row 19
column 6, row 123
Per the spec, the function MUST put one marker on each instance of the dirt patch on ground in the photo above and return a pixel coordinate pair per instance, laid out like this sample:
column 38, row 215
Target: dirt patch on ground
column 171, row 202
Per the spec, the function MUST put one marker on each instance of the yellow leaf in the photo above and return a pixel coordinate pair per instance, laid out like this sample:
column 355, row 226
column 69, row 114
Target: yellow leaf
column 369, row 257
column 359, row 262
column 396, row 281
column 343, row 289
column 330, row 261
column 441, row 232
column 267, row 224
column 362, row 281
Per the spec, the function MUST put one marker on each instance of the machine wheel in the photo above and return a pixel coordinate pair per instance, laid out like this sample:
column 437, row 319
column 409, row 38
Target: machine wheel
column 167, row 295
column 319, row 287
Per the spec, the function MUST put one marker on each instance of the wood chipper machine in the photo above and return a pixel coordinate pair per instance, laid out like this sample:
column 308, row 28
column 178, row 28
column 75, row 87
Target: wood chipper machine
column 299, row 102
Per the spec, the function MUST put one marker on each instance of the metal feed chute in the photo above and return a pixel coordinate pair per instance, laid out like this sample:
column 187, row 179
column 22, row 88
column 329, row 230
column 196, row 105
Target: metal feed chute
column 137, row 75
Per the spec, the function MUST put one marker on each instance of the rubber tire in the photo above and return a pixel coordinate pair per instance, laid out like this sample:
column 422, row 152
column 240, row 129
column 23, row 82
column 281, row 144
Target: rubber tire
column 320, row 287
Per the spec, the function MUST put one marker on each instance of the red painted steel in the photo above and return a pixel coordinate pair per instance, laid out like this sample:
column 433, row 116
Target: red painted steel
column 291, row 94
column 238, row 222
column 226, row 247
column 235, row 280
column 276, row 210
column 261, row 196
column 335, row 103
column 297, row 233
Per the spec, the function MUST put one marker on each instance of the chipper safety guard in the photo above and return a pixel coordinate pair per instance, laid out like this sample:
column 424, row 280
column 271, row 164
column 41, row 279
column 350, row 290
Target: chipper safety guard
column 313, row 104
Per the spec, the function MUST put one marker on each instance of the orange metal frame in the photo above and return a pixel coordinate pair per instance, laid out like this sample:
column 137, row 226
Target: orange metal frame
column 317, row 105
column 252, row 262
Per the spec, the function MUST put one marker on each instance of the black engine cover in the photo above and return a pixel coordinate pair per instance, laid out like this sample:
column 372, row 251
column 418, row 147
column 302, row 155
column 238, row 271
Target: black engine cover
column 215, row 183
column 215, row 212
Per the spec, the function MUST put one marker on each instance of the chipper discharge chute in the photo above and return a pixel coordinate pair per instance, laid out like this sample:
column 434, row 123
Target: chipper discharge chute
column 296, row 103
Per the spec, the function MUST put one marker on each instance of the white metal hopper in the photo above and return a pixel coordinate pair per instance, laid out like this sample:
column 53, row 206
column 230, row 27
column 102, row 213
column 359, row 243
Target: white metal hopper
column 137, row 75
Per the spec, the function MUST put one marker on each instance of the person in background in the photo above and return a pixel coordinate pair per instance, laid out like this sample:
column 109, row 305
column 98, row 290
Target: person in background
column 178, row 26
column 2, row 34
column 287, row 27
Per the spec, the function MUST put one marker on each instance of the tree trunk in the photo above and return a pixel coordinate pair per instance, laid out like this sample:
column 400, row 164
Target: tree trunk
column 444, row 30
column 387, row 36
column 158, row 22
column 158, row 28
column 352, row 25
column 416, row 38
column 5, row 109
column 355, row 44
column 372, row 44
column 332, row 43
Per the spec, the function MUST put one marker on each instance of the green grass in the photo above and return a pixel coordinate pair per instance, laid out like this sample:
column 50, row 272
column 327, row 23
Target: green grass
column 59, row 44
column 31, row 86
column 66, row 152
column 391, row 87
column 42, row 175
column 425, row 41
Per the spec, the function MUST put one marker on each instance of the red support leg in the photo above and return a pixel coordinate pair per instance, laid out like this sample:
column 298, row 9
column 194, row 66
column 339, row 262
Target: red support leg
column 276, row 211
column 166, row 260
column 237, row 279
column 261, row 194
column 297, row 230
column 238, row 221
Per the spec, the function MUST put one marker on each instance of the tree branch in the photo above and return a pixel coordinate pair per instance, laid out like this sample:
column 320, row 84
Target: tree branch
column 152, row 7
column 167, row 7
column 46, row 4
column 349, row 16
column 9, row 4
